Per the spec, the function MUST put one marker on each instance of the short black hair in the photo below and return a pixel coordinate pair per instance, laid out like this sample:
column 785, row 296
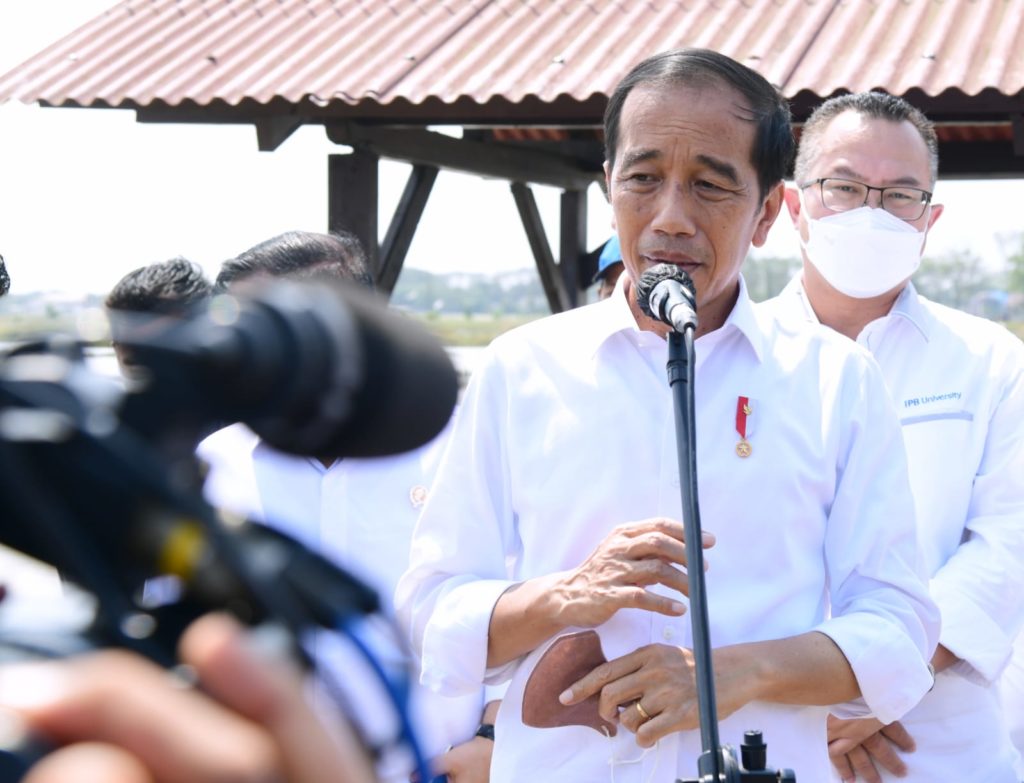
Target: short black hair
column 879, row 105
column 166, row 288
column 773, row 139
column 300, row 254
column 5, row 279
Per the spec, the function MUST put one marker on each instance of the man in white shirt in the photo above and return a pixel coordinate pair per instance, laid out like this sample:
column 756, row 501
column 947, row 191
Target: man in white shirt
column 609, row 268
column 556, row 505
column 358, row 512
column 865, row 172
column 1011, row 686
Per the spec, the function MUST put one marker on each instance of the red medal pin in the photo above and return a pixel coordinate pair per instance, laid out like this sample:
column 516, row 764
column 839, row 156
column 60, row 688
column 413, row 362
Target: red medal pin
column 743, row 411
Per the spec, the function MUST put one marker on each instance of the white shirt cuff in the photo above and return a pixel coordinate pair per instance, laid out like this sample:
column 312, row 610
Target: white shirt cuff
column 455, row 639
column 971, row 635
column 890, row 669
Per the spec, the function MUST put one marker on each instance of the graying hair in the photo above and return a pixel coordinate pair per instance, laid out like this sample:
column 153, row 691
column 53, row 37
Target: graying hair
column 870, row 104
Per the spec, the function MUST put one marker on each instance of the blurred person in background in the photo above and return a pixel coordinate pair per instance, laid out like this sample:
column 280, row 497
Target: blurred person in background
column 145, row 299
column 609, row 268
column 358, row 512
column 5, row 279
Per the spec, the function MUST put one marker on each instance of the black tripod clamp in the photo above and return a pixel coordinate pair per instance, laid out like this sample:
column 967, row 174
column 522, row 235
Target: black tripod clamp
column 717, row 763
column 750, row 768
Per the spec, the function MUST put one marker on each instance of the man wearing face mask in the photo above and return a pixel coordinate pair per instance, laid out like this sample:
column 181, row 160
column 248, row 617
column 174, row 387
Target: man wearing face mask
column 864, row 174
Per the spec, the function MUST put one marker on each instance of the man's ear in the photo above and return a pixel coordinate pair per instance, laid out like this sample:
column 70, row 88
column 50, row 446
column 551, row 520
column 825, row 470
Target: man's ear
column 608, row 191
column 793, row 204
column 937, row 209
column 770, row 211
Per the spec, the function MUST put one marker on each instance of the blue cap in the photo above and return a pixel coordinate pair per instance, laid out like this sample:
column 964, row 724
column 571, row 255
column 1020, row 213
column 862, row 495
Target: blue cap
column 610, row 254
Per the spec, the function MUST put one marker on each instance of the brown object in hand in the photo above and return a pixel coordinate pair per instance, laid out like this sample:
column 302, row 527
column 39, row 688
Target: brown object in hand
column 569, row 659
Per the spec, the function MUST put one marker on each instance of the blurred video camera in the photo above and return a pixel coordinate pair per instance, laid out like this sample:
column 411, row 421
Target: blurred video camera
column 100, row 479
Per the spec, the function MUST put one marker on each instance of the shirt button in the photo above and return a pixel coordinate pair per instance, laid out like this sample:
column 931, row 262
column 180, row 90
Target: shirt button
column 667, row 633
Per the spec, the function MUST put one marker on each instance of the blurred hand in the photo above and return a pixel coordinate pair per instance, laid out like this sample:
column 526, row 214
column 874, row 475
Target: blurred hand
column 121, row 719
column 469, row 762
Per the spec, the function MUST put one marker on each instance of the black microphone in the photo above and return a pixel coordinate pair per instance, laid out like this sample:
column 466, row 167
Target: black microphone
column 314, row 367
column 666, row 293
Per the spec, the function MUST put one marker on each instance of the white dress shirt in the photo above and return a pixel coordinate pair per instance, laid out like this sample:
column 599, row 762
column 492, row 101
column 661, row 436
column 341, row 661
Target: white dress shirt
column 361, row 513
column 958, row 384
column 566, row 430
column 1011, row 686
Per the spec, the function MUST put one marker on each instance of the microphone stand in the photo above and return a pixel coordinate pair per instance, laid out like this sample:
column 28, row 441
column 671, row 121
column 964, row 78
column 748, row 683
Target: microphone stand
column 717, row 763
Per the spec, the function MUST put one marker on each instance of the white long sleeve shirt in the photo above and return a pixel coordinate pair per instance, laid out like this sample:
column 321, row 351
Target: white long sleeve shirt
column 360, row 513
column 958, row 384
column 566, row 430
column 1011, row 686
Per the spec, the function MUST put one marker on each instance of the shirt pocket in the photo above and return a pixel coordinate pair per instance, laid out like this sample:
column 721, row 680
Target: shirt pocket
column 942, row 459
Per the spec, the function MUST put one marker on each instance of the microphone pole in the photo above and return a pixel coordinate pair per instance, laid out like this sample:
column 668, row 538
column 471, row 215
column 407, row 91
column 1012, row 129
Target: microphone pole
column 680, row 379
column 717, row 763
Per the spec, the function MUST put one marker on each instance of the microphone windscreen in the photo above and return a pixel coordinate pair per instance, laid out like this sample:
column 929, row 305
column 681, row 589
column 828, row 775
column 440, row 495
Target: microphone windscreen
column 316, row 367
column 399, row 384
column 656, row 274
column 409, row 386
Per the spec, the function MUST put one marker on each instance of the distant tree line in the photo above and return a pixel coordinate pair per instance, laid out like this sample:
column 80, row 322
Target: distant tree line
column 959, row 279
column 508, row 293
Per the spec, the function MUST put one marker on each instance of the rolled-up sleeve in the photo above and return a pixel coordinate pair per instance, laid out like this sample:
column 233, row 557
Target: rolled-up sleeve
column 979, row 588
column 882, row 617
column 457, row 568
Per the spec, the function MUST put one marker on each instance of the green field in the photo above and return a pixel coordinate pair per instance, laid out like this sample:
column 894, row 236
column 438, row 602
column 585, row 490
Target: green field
column 481, row 329
column 473, row 330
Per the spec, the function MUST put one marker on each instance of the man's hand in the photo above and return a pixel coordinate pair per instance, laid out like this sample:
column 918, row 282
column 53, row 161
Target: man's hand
column 615, row 576
column 857, row 746
column 469, row 762
column 662, row 681
column 121, row 719
column 632, row 557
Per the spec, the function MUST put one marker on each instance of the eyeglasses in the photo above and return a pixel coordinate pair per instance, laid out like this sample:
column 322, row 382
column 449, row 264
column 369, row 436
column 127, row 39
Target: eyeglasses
column 840, row 195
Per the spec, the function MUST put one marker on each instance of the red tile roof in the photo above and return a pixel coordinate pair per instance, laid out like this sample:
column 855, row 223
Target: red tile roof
column 525, row 61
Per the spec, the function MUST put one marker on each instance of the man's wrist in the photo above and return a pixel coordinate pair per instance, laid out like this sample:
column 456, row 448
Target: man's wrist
column 485, row 730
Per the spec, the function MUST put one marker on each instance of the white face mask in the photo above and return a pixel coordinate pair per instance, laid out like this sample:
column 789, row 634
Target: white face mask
column 863, row 252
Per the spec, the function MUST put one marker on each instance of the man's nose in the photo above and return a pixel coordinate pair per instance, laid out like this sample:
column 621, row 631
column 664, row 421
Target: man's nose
column 675, row 212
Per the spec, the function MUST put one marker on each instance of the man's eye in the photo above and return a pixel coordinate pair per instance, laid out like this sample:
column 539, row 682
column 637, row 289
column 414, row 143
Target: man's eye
column 711, row 188
column 844, row 189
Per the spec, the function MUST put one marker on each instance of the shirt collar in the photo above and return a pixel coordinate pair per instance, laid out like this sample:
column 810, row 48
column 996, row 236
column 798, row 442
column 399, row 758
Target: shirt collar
column 613, row 315
column 608, row 317
column 907, row 305
column 743, row 319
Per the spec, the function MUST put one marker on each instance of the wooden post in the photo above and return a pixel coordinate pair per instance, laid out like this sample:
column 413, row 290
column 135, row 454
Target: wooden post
column 352, row 186
column 550, row 277
column 573, row 244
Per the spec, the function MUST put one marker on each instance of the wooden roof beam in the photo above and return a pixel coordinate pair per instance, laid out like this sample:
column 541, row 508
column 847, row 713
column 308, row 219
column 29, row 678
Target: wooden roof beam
column 499, row 161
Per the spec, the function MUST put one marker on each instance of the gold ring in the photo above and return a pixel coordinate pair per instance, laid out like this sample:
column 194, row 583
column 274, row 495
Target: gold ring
column 643, row 713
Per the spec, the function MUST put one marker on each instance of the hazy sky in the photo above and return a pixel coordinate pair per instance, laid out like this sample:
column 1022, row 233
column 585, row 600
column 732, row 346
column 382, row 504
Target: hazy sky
column 87, row 195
